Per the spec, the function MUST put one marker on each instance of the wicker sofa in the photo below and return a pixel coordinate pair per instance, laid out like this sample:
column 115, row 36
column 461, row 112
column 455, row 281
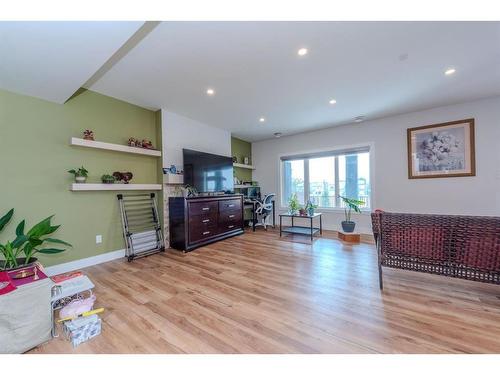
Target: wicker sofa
column 467, row 247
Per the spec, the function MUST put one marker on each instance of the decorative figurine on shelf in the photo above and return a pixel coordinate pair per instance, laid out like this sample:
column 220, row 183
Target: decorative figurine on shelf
column 235, row 159
column 123, row 177
column 132, row 142
column 246, row 160
column 88, row 135
column 146, row 143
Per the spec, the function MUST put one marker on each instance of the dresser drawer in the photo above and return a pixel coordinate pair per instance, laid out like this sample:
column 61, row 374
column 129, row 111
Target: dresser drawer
column 199, row 230
column 230, row 205
column 230, row 217
column 202, row 208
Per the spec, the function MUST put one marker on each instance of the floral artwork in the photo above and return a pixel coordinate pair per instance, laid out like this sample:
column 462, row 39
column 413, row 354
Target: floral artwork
column 441, row 150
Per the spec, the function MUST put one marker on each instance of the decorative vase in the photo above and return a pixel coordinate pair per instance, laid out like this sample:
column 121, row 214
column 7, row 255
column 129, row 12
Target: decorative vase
column 310, row 211
column 348, row 226
column 302, row 212
column 80, row 179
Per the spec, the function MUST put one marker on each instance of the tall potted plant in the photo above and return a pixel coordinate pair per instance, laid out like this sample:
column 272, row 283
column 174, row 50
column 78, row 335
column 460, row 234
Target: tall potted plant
column 28, row 244
column 350, row 205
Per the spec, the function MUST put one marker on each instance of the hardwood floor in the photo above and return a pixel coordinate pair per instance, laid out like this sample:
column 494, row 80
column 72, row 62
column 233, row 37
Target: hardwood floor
column 257, row 293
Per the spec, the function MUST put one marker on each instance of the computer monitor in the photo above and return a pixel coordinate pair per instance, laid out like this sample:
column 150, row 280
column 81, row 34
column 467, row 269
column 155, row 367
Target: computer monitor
column 251, row 192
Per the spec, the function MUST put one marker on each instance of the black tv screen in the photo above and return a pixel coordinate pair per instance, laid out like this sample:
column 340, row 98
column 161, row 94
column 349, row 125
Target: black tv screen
column 208, row 173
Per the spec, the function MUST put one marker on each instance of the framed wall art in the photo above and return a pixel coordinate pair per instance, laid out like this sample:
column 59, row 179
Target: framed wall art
column 442, row 150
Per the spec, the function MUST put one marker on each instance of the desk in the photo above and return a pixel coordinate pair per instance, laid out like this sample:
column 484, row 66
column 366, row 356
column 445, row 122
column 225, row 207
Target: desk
column 253, row 204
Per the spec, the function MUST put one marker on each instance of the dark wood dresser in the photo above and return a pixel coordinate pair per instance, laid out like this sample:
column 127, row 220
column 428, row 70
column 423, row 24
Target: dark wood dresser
column 197, row 221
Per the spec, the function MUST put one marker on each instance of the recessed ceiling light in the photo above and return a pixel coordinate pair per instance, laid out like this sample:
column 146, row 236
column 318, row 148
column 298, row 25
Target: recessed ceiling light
column 302, row 52
column 450, row 71
column 210, row 91
column 277, row 135
column 359, row 118
column 262, row 119
column 332, row 101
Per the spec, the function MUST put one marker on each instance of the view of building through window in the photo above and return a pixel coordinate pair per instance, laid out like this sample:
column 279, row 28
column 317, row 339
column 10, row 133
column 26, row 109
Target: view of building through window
column 323, row 179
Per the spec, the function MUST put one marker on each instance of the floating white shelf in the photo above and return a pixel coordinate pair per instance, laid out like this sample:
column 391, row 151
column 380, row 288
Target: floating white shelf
column 113, row 147
column 247, row 166
column 243, row 186
column 113, row 187
column 173, row 179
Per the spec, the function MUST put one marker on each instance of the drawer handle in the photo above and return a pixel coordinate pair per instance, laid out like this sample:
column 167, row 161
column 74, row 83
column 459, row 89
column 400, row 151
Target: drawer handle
column 205, row 208
column 231, row 216
column 205, row 221
column 205, row 233
column 230, row 205
column 230, row 226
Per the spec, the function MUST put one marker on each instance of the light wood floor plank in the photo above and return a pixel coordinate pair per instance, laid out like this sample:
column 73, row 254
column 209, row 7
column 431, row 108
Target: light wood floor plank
column 257, row 293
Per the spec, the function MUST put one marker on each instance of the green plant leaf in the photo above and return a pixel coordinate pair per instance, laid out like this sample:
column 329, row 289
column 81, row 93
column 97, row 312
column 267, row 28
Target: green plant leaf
column 55, row 240
column 20, row 229
column 20, row 241
column 50, row 251
column 42, row 228
column 6, row 218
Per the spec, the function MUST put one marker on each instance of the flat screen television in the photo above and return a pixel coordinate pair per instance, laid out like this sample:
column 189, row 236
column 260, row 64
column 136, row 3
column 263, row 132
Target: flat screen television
column 208, row 173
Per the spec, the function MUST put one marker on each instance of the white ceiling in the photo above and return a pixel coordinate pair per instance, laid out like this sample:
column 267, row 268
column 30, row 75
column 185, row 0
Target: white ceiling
column 52, row 60
column 255, row 70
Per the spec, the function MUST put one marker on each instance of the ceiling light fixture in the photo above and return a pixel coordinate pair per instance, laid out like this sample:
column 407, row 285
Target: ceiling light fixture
column 302, row 52
column 262, row 119
column 277, row 135
column 359, row 119
column 332, row 101
column 450, row 71
column 210, row 92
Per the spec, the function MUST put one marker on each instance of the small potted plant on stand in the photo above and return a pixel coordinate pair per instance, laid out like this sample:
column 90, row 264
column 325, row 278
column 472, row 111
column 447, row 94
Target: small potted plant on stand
column 80, row 174
column 310, row 207
column 293, row 204
column 350, row 205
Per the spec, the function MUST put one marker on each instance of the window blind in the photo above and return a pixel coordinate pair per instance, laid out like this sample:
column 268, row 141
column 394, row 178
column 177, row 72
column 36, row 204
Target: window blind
column 323, row 154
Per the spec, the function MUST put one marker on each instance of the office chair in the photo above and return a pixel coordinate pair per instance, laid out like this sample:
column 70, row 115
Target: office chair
column 265, row 209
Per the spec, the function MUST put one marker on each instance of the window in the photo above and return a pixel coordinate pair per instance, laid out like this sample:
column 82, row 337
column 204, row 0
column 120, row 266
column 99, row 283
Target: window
column 322, row 177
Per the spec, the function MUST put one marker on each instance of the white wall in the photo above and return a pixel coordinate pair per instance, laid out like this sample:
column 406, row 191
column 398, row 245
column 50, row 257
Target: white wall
column 391, row 188
column 180, row 132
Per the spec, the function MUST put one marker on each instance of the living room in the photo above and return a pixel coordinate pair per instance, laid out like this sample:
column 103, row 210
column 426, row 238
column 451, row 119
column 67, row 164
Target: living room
column 249, row 186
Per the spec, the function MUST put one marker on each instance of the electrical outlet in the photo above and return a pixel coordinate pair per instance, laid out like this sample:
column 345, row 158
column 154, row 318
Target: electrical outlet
column 98, row 238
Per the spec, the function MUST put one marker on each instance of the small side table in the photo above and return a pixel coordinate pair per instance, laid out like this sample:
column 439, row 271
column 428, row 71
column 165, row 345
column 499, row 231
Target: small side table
column 302, row 230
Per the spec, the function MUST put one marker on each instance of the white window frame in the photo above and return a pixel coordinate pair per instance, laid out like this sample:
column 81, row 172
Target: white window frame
column 371, row 152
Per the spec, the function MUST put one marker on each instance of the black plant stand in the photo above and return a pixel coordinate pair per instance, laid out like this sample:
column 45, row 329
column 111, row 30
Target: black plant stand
column 302, row 230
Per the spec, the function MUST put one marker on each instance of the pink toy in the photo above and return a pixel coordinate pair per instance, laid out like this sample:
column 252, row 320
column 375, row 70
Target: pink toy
column 77, row 307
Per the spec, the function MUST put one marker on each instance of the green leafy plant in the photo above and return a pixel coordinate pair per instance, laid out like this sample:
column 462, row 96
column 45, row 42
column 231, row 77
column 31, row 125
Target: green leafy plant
column 108, row 179
column 30, row 243
column 293, row 203
column 80, row 172
column 351, row 205
column 310, row 206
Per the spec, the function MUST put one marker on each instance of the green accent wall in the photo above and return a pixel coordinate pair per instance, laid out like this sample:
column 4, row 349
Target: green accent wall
column 240, row 149
column 35, row 156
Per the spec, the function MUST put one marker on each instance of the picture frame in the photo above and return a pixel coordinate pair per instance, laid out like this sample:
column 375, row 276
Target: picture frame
column 442, row 150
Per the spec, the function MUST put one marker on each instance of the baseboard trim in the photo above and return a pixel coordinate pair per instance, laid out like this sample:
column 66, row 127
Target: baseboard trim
column 85, row 262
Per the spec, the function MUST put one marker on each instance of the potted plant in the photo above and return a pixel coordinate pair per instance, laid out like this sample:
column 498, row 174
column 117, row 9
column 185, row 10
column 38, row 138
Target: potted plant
column 29, row 243
column 350, row 205
column 293, row 204
column 310, row 207
column 108, row 179
column 80, row 174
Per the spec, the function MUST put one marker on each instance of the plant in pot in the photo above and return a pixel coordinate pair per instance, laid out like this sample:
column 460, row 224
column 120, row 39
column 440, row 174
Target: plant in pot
column 28, row 244
column 80, row 174
column 310, row 207
column 108, row 179
column 350, row 205
column 293, row 204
